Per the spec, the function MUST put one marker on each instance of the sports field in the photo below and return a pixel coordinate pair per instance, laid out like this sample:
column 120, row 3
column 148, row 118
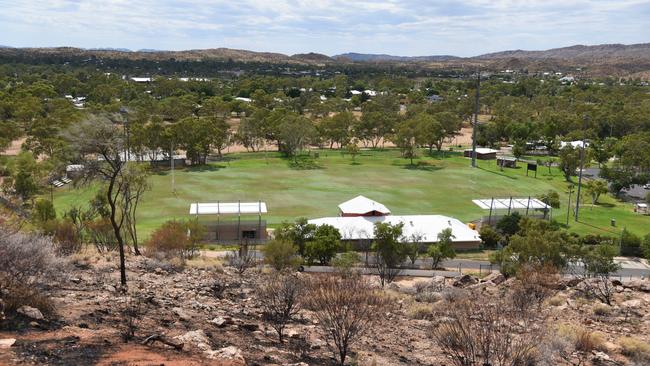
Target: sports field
column 315, row 187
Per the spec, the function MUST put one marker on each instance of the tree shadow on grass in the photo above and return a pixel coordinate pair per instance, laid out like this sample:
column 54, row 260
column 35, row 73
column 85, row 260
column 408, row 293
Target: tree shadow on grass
column 211, row 167
column 304, row 162
column 497, row 173
column 420, row 165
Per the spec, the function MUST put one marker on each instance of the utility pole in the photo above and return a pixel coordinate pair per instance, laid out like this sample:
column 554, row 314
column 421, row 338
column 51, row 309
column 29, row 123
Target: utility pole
column 171, row 159
column 477, row 108
column 125, row 116
column 568, row 206
column 582, row 160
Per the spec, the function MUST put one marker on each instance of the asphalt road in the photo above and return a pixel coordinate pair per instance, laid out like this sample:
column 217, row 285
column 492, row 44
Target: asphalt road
column 630, row 268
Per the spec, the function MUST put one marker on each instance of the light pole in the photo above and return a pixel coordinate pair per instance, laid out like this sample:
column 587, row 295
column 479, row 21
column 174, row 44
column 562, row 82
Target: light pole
column 125, row 115
column 582, row 161
column 568, row 206
column 477, row 108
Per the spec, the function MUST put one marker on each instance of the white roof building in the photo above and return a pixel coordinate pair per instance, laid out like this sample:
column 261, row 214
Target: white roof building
column 359, row 215
column 246, row 100
column 228, row 208
column 424, row 227
column 574, row 144
column 141, row 80
column 361, row 205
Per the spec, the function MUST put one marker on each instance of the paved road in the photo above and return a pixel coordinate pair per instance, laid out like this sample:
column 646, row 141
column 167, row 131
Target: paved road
column 630, row 268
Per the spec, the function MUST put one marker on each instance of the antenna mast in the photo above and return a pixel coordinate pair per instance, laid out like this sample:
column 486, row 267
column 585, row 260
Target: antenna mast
column 477, row 107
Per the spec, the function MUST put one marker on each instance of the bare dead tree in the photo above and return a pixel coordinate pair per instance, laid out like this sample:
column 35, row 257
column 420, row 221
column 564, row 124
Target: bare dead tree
column 488, row 333
column 242, row 260
column 536, row 283
column 99, row 146
column 136, row 183
column 346, row 308
column 130, row 314
column 279, row 300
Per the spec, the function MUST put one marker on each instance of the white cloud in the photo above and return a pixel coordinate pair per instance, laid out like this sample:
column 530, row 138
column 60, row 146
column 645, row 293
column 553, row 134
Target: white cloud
column 410, row 27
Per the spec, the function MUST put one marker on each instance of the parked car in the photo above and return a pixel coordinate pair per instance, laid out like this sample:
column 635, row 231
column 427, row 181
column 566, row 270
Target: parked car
column 646, row 186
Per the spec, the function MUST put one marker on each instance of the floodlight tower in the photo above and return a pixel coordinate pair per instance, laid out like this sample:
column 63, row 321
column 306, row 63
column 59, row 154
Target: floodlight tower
column 477, row 107
column 582, row 162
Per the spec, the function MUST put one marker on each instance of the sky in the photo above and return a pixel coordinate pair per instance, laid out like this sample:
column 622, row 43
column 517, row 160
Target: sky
column 407, row 28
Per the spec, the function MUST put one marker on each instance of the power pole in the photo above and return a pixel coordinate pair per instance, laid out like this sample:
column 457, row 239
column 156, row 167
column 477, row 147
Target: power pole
column 171, row 159
column 568, row 206
column 582, row 158
column 477, row 108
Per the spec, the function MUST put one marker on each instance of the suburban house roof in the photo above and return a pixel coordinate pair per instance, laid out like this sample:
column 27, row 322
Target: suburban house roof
column 574, row 144
column 512, row 203
column 425, row 227
column 360, row 205
column 227, row 208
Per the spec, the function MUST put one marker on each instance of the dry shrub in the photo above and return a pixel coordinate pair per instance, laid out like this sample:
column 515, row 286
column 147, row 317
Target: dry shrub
column 66, row 236
column 101, row 234
column 130, row 314
column 28, row 265
column 420, row 311
column 536, row 283
column 346, row 308
column 601, row 309
column 279, row 297
column 576, row 343
column 489, row 332
column 635, row 348
column 587, row 341
column 18, row 295
column 170, row 241
column 556, row 300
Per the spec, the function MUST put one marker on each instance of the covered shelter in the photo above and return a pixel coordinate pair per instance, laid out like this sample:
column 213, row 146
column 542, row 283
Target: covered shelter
column 641, row 207
column 507, row 161
column 482, row 153
column 499, row 207
column 232, row 222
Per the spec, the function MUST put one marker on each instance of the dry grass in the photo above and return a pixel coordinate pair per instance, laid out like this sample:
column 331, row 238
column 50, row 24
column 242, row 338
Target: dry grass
column 582, row 339
column 418, row 310
column 635, row 348
column 556, row 300
column 602, row 309
column 205, row 262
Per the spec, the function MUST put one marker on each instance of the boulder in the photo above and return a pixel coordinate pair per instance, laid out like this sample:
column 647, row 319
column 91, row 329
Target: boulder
column 230, row 355
column 635, row 303
column 221, row 321
column 30, row 312
column 638, row 285
column 182, row 314
column 495, row 277
column 194, row 339
column 7, row 342
column 465, row 280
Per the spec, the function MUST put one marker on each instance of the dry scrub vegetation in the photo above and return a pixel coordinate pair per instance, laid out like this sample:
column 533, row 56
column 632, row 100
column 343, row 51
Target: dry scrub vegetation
column 71, row 310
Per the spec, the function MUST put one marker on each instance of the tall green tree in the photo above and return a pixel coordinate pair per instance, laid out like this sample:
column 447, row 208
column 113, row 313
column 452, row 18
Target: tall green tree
column 389, row 251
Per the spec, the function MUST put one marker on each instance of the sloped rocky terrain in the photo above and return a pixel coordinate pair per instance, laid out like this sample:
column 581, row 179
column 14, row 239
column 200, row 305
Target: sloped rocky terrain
column 205, row 314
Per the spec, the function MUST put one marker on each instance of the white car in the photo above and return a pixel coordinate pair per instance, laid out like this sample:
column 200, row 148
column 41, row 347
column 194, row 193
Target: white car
column 646, row 186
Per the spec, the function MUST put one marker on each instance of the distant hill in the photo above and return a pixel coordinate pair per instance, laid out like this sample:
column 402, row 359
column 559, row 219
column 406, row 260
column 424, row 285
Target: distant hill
column 311, row 56
column 370, row 57
column 615, row 60
column 110, row 49
column 578, row 52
